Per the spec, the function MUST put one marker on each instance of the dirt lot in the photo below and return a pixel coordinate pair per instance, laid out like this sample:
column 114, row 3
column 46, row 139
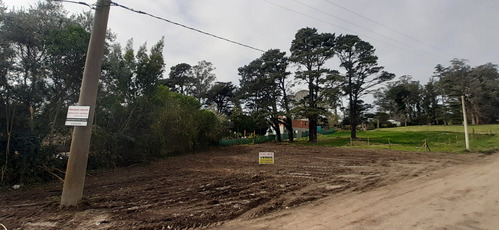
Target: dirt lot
column 205, row 190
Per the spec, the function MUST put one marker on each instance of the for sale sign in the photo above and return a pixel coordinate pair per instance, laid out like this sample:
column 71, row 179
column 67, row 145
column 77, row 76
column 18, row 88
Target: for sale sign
column 78, row 116
column 266, row 158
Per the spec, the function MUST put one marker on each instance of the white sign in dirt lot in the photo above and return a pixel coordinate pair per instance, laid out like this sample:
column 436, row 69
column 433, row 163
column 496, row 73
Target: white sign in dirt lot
column 77, row 116
column 266, row 158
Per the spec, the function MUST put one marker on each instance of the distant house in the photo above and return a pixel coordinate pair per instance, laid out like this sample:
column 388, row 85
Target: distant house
column 299, row 126
column 394, row 122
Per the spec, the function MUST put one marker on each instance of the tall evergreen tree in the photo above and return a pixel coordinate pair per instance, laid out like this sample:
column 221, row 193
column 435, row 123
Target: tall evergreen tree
column 402, row 99
column 275, row 65
column 479, row 85
column 358, row 58
column 203, row 79
column 311, row 50
column 150, row 67
column 263, row 85
column 180, row 78
column 221, row 95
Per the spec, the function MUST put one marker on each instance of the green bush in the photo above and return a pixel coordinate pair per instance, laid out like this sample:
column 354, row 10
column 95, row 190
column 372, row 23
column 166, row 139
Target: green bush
column 31, row 162
column 160, row 125
column 153, row 126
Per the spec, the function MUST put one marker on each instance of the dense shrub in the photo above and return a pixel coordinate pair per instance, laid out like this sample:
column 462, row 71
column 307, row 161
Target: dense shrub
column 160, row 125
column 31, row 162
column 179, row 125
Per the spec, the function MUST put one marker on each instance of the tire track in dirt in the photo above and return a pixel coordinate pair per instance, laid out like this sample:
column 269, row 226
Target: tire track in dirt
column 209, row 188
column 461, row 197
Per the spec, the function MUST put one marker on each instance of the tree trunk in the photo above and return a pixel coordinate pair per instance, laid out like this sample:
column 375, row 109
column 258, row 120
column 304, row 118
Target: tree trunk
column 54, row 121
column 7, row 148
column 353, row 130
column 32, row 118
column 275, row 120
column 276, row 126
column 313, row 130
column 289, row 128
column 288, row 121
column 353, row 116
column 9, row 126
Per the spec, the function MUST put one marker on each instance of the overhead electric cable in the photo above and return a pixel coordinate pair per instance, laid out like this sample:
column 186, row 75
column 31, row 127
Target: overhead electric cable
column 389, row 28
column 354, row 24
column 323, row 21
column 76, row 2
column 305, row 15
column 169, row 21
column 187, row 27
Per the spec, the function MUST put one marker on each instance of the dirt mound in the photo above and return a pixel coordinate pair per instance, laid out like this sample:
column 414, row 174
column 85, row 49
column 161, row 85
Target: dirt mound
column 212, row 187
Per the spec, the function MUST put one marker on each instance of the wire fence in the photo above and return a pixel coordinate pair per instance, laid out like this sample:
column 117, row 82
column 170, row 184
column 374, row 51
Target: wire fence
column 244, row 141
column 262, row 139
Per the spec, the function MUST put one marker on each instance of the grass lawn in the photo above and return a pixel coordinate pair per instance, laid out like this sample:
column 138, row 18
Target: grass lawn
column 482, row 138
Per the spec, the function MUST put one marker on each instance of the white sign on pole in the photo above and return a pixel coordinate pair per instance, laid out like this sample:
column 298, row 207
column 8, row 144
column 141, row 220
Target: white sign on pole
column 77, row 116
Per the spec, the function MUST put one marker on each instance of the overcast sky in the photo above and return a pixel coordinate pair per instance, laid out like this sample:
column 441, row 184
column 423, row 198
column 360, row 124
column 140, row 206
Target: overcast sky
column 410, row 36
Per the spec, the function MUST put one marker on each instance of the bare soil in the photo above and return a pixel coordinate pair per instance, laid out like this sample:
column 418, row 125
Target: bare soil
column 226, row 188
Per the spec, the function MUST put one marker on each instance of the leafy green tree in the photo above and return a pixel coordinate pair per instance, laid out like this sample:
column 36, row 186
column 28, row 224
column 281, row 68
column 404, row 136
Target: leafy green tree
column 432, row 109
column 150, row 67
column 24, row 32
column 123, row 114
column 358, row 59
column 403, row 99
column 454, row 83
column 253, row 87
column 129, row 78
column 7, row 103
column 119, row 74
column 264, row 86
column 180, row 78
column 248, row 122
column 162, row 124
column 180, row 125
column 203, row 79
column 275, row 65
column 479, row 85
column 486, row 103
column 221, row 95
column 258, row 88
column 40, row 55
column 66, row 51
column 118, row 94
column 311, row 50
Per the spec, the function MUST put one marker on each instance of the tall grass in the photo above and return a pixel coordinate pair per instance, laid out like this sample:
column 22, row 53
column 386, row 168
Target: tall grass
column 483, row 138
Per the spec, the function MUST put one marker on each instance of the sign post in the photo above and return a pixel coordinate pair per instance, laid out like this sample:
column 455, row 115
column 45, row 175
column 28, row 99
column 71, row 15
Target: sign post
column 266, row 158
column 80, row 143
column 78, row 116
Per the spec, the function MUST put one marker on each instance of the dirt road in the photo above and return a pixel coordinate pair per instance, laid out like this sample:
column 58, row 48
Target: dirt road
column 463, row 197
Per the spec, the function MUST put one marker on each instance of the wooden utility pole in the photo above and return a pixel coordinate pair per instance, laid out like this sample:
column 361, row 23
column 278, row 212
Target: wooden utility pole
column 465, row 125
column 80, row 143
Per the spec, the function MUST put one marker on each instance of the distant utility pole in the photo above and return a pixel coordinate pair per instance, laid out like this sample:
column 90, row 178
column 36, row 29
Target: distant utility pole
column 465, row 125
column 79, row 151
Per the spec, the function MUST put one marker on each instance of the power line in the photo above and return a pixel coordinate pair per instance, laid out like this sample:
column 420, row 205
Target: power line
column 414, row 50
column 77, row 2
column 389, row 28
column 187, row 27
column 362, row 27
column 169, row 21
column 305, row 15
